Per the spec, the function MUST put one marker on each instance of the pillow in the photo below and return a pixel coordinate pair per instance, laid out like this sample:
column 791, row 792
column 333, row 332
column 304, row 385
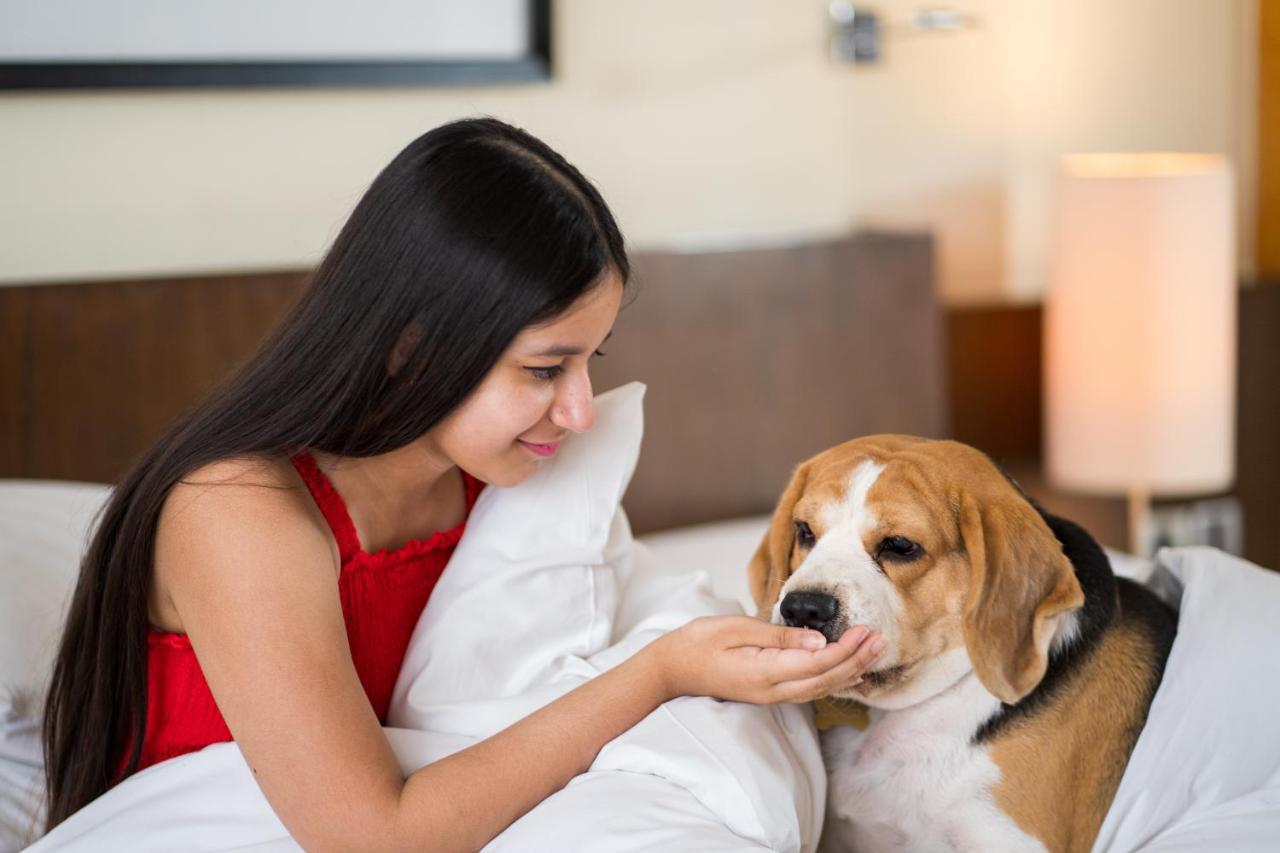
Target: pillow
column 722, row 549
column 546, row 590
column 543, row 541
column 44, row 529
column 1205, row 772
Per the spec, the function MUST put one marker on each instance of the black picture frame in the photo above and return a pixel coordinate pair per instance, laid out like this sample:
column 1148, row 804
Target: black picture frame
column 533, row 66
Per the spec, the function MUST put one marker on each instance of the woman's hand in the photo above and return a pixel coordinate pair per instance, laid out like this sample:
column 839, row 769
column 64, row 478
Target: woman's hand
column 749, row 660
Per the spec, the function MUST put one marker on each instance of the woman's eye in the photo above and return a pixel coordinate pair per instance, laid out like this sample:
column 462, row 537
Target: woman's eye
column 600, row 353
column 804, row 535
column 546, row 374
column 899, row 548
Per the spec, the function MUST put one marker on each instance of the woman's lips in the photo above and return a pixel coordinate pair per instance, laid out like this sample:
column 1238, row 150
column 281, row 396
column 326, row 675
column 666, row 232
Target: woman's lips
column 540, row 449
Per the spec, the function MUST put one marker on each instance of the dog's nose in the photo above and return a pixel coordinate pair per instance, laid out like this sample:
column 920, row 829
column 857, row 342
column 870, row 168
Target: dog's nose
column 808, row 609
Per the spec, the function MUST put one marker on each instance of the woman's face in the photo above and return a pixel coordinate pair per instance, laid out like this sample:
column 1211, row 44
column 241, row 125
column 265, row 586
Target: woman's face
column 535, row 396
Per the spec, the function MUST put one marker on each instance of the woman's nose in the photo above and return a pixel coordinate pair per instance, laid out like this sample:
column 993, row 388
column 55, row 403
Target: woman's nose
column 574, row 409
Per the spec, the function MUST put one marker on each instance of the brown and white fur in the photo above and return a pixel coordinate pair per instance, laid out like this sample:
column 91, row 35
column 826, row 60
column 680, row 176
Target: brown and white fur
column 1017, row 671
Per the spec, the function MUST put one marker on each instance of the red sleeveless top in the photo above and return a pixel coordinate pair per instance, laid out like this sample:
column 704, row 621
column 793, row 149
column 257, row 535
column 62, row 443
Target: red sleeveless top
column 382, row 594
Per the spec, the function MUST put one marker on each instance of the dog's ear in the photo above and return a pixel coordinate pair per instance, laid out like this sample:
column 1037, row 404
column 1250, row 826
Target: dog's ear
column 772, row 561
column 1021, row 585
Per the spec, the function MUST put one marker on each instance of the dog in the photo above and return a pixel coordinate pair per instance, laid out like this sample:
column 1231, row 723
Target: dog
column 1017, row 671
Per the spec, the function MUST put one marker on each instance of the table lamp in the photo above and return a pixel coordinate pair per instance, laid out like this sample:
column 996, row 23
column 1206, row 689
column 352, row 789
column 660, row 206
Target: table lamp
column 1140, row 329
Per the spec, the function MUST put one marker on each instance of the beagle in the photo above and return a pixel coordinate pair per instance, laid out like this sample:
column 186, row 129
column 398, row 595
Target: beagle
column 1017, row 671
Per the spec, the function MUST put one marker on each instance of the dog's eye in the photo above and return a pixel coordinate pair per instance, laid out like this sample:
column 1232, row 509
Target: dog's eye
column 804, row 536
column 898, row 548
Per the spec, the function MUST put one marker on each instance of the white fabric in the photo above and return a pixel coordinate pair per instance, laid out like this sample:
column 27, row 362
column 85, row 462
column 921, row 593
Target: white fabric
column 722, row 549
column 44, row 527
column 1205, row 772
column 21, row 779
column 565, row 594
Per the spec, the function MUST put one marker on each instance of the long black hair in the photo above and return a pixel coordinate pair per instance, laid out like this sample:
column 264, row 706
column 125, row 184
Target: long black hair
column 473, row 232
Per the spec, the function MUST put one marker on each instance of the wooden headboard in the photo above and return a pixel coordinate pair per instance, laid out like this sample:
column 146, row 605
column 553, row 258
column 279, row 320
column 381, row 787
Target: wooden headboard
column 755, row 359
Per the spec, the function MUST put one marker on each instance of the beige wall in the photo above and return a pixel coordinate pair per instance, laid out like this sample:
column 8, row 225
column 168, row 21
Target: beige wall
column 716, row 121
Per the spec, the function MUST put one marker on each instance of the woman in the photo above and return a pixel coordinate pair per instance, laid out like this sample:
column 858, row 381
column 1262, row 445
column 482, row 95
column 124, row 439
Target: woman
column 274, row 549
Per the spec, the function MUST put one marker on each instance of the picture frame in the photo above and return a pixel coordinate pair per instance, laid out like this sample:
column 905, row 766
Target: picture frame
column 77, row 44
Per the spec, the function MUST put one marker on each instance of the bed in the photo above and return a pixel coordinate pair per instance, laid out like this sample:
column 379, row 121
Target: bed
column 726, row 342
column 1204, row 775
column 731, row 346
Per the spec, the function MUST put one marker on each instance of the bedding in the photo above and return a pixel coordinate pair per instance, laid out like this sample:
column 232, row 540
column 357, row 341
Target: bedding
column 697, row 774
column 1205, row 772
column 43, row 531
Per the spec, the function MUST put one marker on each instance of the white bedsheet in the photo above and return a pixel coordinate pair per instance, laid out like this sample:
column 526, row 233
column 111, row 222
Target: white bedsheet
column 695, row 775
column 1204, row 775
column 566, row 594
column 1205, row 772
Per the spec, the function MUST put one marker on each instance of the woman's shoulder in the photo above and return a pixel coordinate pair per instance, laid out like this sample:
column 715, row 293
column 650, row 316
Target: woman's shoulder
column 238, row 485
column 230, row 507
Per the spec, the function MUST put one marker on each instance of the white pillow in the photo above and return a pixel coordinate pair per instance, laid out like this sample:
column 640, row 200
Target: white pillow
column 44, row 528
column 544, row 541
column 545, row 591
column 1205, row 772
column 722, row 549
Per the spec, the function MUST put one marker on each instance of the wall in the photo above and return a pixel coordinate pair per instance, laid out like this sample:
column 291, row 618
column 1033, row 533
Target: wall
column 715, row 121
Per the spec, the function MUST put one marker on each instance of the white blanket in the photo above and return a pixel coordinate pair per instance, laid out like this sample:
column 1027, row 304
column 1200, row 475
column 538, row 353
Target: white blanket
column 566, row 594
column 697, row 774
column 1205, row 772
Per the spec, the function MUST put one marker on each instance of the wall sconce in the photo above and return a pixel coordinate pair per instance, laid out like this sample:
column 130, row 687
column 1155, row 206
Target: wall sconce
column 857, row 33
column 1140, row 329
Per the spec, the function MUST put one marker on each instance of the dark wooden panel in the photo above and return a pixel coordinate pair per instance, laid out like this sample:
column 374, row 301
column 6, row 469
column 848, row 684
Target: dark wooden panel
column 14, row 372
column 756, row 360
column 994, row 367
column 1258, row 430
column 111, row 363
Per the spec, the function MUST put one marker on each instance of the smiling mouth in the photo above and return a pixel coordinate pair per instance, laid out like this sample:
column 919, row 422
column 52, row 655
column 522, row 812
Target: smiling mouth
column 540, row 449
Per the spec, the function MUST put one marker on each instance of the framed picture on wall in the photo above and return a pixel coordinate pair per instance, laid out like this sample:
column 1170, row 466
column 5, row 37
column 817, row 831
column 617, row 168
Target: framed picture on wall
column 54, row 44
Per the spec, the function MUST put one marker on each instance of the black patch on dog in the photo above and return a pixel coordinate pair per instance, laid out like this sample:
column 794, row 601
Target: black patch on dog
column 1105, row 597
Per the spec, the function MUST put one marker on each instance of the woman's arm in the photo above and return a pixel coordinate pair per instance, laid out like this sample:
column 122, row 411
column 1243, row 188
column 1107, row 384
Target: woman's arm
column 256, row 589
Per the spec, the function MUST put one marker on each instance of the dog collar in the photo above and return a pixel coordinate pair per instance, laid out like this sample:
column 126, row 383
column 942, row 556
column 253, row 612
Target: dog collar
column 831, row 711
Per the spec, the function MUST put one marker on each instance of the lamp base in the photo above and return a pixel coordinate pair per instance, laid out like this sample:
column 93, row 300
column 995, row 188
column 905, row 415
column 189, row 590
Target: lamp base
column 1139, row 522
column 1217, row 522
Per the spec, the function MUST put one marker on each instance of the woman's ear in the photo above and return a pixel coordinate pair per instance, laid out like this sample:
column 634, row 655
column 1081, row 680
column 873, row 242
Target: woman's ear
column 1021, row 585
column 404, row 347
column 772, row 561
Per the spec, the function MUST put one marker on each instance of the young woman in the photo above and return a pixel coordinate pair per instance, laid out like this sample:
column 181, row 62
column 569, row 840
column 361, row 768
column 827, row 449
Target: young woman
column 259, row 572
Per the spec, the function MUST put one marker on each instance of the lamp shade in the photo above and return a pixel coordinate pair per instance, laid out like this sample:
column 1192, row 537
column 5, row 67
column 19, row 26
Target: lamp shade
column 1140, row 325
